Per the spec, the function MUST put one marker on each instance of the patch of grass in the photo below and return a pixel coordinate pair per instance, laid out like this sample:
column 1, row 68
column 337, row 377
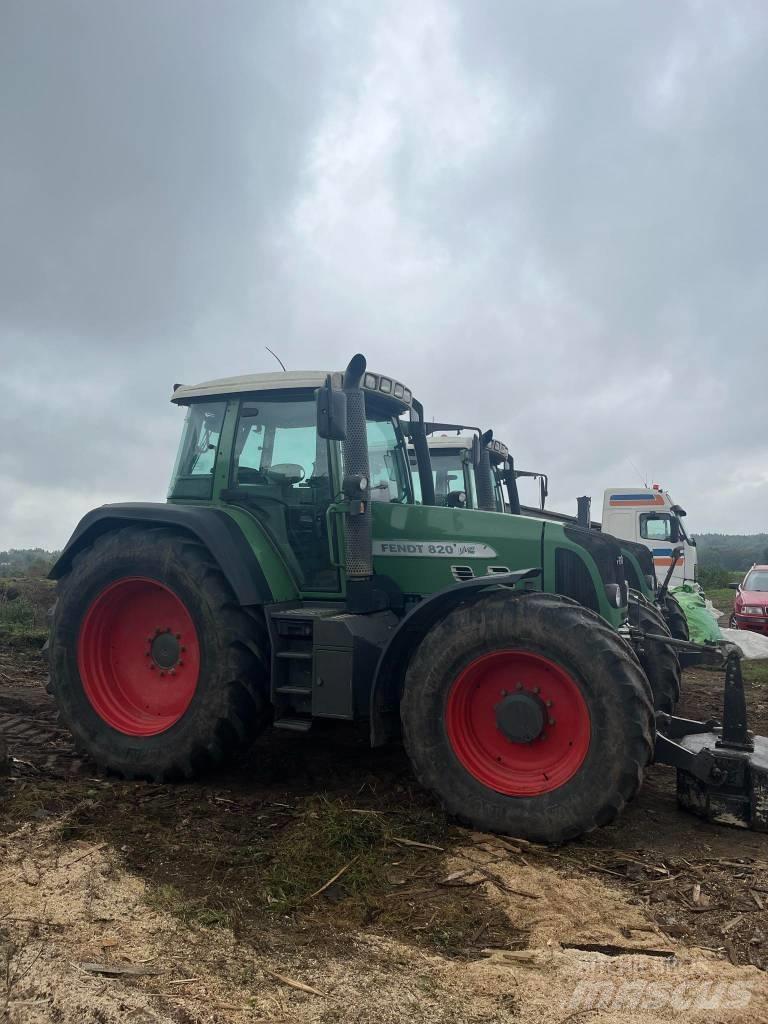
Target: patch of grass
column 23, row 638
column 755, row 672
column 328, row 836
column 171, row 900
column 17, row 615
column 721, row 598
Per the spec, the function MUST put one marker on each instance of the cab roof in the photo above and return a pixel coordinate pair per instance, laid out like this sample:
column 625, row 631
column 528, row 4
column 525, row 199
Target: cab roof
column 278, row 381
column 438, row 442
column 386, row 388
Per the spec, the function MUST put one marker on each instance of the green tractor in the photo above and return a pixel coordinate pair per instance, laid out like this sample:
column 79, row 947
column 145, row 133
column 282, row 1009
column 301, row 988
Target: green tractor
column 471, row 469
column 291, row 576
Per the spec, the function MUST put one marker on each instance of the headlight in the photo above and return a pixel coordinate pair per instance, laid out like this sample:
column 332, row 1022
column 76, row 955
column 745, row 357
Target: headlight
column 750, row 609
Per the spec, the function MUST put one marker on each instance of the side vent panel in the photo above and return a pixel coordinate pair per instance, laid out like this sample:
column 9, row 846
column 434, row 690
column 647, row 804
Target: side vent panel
column 573, row 579
column 462, row 572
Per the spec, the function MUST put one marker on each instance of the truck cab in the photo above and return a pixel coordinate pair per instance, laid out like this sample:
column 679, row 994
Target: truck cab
column 649, row 516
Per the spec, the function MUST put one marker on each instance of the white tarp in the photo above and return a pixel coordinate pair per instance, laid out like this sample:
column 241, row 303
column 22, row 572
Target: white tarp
column 753, row 645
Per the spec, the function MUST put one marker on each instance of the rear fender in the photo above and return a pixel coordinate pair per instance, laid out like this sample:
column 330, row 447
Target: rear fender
column 211, row 526
column 393, row 661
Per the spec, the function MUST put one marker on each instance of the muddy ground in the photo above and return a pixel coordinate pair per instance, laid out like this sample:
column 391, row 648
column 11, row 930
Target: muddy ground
column 214, row 897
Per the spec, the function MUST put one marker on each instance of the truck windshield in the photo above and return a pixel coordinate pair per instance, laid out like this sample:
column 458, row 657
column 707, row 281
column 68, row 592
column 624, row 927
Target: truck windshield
column 390, row 474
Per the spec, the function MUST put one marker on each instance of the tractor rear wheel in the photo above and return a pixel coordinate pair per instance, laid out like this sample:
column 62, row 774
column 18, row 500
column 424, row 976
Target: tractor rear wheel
column 659, row 661
column 528, row 715
column 674, row 616
column 155, row 669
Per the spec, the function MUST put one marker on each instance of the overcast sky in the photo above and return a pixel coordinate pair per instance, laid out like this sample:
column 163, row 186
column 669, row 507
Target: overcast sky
column 549, row 218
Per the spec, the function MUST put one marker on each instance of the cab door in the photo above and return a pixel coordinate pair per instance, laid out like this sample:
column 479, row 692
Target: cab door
column 284, row 472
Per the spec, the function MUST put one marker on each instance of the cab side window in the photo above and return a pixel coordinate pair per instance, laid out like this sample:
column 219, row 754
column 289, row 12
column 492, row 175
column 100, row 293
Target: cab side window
column 196, row 459
column 656, row 526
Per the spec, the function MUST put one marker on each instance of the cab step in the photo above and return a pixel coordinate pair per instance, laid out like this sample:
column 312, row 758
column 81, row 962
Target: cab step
column 295, row 724
column 294, row 691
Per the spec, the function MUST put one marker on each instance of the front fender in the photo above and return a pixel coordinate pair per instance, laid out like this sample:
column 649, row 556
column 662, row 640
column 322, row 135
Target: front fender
column 211, row 526
column 393, row 661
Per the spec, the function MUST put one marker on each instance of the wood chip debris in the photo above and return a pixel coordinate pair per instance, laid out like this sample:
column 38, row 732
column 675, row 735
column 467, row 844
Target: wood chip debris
column 458, row 878
column 729, row 925
column 120, row 969
column 293, row 983
column 412, row 842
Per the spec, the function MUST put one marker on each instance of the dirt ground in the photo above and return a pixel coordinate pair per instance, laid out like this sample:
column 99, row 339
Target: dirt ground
column 211, row 902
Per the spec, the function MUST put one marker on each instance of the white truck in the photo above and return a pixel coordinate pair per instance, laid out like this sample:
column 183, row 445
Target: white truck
column 647, row 515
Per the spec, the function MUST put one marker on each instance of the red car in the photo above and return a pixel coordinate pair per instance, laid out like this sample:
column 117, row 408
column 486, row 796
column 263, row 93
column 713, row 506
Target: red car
column 750, row 609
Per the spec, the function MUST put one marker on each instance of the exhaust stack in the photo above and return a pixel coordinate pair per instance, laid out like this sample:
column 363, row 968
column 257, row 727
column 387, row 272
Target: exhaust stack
column 584, row 513
column 486, row 500
column 358, row 550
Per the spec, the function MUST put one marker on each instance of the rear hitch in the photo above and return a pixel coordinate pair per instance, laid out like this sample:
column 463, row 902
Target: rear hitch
column 722, row 770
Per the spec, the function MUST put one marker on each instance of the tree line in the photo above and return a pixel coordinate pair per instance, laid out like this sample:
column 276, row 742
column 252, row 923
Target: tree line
column 26, row 562
column 732, row 551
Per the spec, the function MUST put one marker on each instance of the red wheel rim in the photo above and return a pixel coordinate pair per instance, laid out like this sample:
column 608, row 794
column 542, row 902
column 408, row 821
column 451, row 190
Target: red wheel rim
column 511, row 767
column 138, row 656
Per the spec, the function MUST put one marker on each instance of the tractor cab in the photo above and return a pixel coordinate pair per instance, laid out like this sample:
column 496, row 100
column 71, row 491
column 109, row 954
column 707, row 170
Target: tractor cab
column 469, row 467
column 253, row 442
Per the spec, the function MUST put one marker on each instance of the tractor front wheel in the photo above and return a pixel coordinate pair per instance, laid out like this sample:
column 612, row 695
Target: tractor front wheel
column 155, row 669
column 527, row 715
column 659, row 661
column 674, row 616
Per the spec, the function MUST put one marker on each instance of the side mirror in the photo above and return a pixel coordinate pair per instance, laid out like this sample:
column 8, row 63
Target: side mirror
column 734, row 586
column 674, row 530
column 475, row 450
column 331, row 412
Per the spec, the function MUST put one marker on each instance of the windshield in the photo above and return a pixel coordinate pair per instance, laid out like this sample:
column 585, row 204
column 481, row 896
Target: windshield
column 390, row 475
column 449, row 477
column 756, row 580
column 193, row 472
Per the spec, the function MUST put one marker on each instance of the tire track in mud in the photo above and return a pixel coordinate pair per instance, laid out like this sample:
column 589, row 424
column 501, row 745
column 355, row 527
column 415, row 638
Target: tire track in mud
column 29, row 728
